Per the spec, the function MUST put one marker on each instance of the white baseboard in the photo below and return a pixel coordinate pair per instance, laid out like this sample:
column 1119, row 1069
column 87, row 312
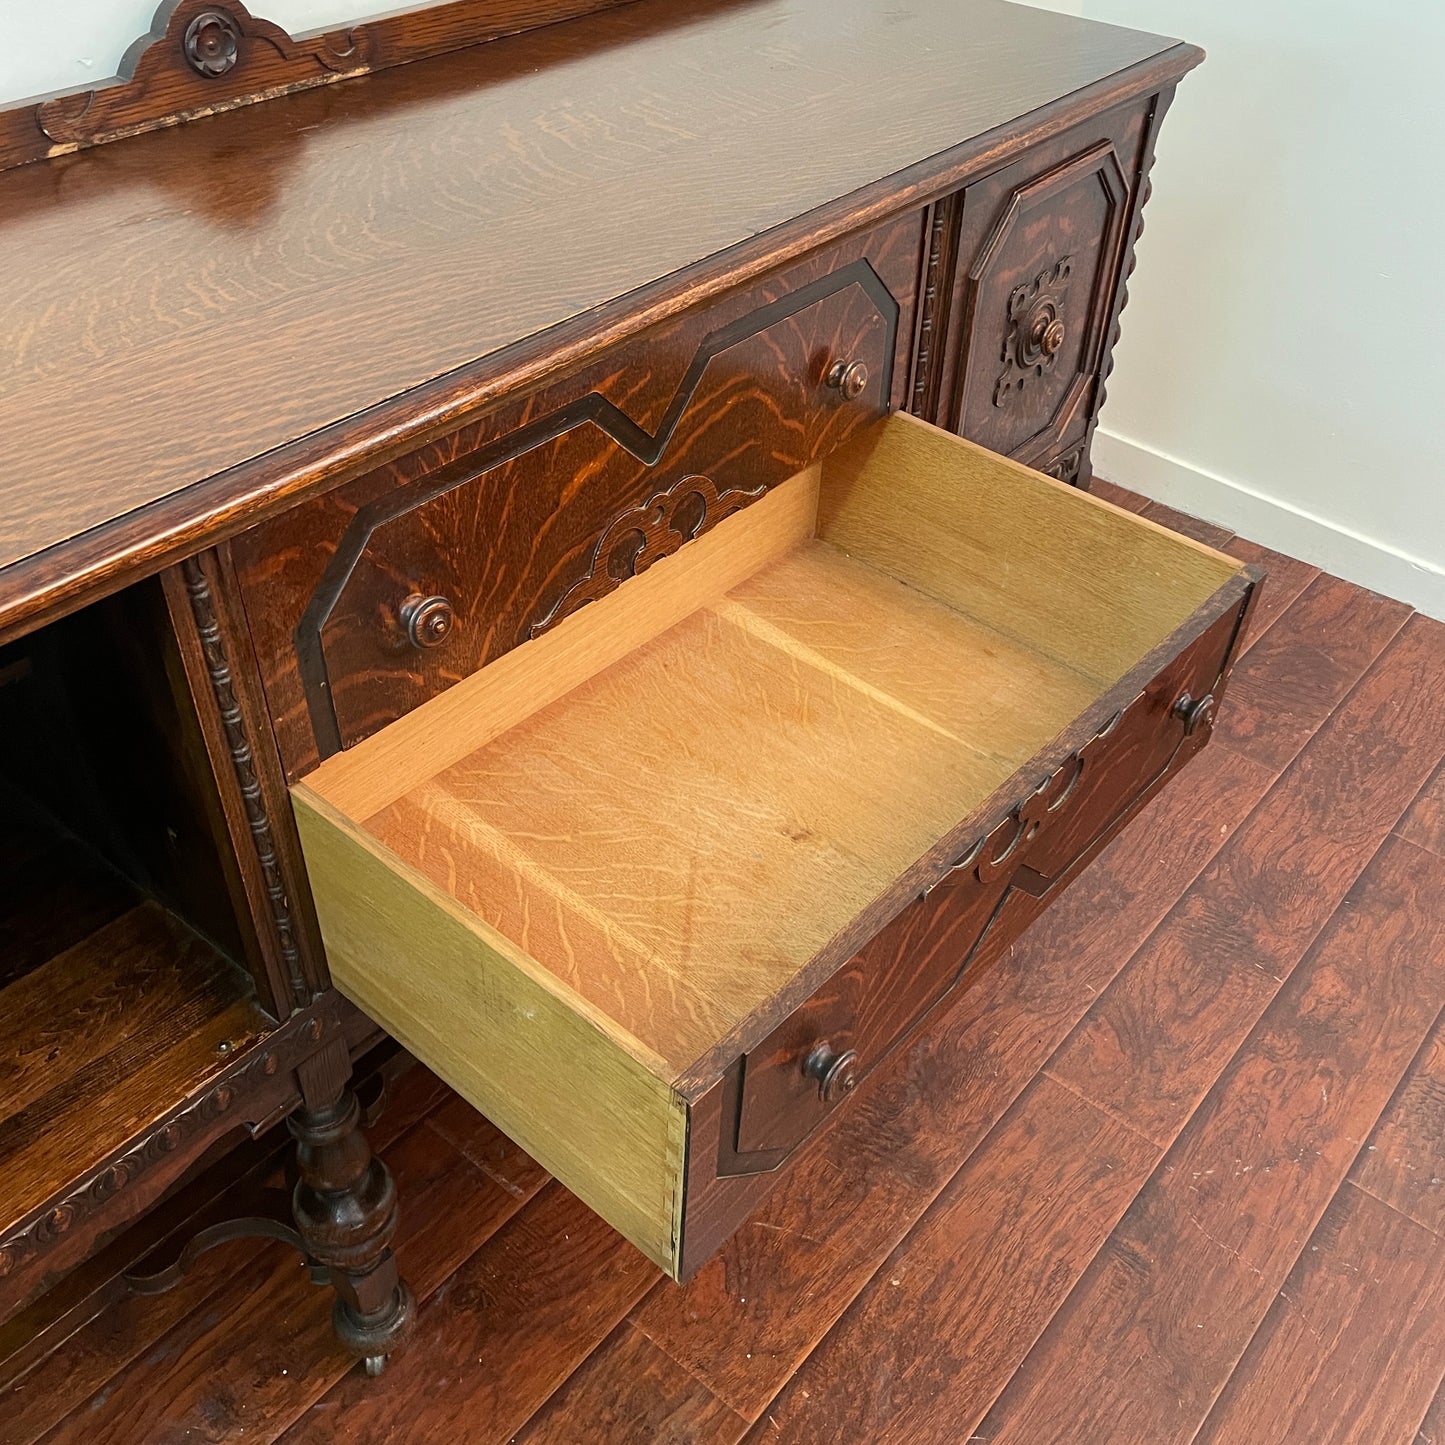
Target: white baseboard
column 1267, row 520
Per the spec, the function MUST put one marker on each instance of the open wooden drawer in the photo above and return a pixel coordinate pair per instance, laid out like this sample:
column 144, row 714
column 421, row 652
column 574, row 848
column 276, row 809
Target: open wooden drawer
column 667, row 858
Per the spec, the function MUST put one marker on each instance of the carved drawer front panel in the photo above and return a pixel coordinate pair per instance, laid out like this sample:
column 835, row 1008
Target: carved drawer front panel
column 372, row 599
column 998, row 884
column 1036, row 258
column 645, row 889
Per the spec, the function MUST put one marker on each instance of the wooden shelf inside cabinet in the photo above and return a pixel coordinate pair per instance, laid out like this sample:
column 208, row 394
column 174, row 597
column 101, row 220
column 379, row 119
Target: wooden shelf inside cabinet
column 584, row 882
column 112, row 1010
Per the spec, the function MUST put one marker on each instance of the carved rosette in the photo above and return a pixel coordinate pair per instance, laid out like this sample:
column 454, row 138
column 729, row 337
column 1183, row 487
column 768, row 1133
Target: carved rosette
column 643, row 536
column 1036, row 331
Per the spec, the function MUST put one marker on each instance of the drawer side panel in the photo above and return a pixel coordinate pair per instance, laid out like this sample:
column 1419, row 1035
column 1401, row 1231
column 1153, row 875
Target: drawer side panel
column 578, row 1099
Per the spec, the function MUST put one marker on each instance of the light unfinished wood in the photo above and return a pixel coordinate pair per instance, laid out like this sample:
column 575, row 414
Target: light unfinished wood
column 569, row 880
column 557, row 1076
column 1085, row 582
column 379, row 770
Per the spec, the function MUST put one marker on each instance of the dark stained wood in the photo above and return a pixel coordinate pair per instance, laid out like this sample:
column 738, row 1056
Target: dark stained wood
column 1403, row 1162
column 1425, row 822
column 274, row 1325
column 186, row 68
column 628, row 1389
column 1036, row 279
column 1158, row 1037
column 1298, row 670
column 1288, row 577
column 1432, row 1427
column 1119, row 496
column 1210, row 533
column 1364, row 1305
column 378, row 239
column 1246, row 1170
column 215, row 652
column 949, row 1315
column 750, row 1317
column 1148, row 1338
column 880, row 994
column 324, row 584
column 40, row 1397
column 103, row 1037
column 514, row 1327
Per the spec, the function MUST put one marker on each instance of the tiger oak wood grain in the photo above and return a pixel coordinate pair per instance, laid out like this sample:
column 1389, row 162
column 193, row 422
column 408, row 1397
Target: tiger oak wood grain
column 155, row 86
column 1403, row 1163
column 378, row 239
column 1149, row 1336
column 1156, row 1039
column 948, row 1316
column 546, row 476
column 1351, row 1349
column 1297, row 671
column 752, row 1315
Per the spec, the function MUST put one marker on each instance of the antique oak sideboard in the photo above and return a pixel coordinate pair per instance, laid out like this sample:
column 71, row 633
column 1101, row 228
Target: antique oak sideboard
column 555, row 530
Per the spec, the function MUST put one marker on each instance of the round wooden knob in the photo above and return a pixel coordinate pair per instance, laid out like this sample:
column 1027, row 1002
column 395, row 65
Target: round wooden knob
column 849, row 377
column 428, row 620
column 836, row 1073
column 1195, row 713
column 1053, row 337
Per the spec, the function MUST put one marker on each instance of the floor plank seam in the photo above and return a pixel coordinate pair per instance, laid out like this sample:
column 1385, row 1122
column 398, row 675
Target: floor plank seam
column 1106, row 1109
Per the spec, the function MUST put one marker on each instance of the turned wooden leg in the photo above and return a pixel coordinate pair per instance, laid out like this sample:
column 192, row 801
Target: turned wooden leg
column 345, row 1210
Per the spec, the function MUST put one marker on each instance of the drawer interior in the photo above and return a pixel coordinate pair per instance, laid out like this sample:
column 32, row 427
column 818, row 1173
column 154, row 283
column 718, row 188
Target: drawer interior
column 677, row 811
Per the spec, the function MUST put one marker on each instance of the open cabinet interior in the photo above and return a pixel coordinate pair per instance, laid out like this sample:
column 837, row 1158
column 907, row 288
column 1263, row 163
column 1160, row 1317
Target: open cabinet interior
column 123, row 983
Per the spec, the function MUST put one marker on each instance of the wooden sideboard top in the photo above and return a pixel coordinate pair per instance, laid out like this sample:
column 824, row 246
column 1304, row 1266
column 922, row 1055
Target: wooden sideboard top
column 203, row 322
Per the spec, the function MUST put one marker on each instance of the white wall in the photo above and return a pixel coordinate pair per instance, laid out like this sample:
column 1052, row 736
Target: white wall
column 60, row 44
column 1282, row 364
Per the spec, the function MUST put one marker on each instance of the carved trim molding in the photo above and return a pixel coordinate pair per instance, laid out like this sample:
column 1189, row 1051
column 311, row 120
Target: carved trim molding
column 932, row 310
column 243, row 761
column 643, row 536
column 255, row 1091
column 1036, row 331
column 204, row 56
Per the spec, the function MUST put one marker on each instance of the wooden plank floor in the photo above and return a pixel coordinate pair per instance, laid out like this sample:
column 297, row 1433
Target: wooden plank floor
column 1173, row 1171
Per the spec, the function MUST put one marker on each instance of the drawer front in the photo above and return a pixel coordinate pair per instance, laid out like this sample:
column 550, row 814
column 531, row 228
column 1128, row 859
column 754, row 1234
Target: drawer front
column 792, row 1081
column 1036, row 261
column 371, row 600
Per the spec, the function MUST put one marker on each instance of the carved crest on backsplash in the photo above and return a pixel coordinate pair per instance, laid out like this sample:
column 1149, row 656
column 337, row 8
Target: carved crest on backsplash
column 641, row 536
column 1036, row 330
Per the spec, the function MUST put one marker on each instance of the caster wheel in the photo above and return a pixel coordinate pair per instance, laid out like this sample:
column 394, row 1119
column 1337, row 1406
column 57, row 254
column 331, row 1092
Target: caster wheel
column 375, row 1364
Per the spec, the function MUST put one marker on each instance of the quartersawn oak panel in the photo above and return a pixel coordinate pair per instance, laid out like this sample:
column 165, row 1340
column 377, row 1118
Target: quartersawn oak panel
column 622, row 900
column 370, row 222
column 503, row 515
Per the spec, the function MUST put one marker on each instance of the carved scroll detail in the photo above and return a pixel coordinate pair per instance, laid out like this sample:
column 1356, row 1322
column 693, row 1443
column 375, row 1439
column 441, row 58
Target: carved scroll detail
column 1065, row 467
column 645, row 535
column 238, row 743
column 1036, row 331
column 930, row 307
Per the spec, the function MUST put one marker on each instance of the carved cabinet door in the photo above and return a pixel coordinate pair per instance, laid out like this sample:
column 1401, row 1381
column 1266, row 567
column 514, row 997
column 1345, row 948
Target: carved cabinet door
column 1037, row 255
